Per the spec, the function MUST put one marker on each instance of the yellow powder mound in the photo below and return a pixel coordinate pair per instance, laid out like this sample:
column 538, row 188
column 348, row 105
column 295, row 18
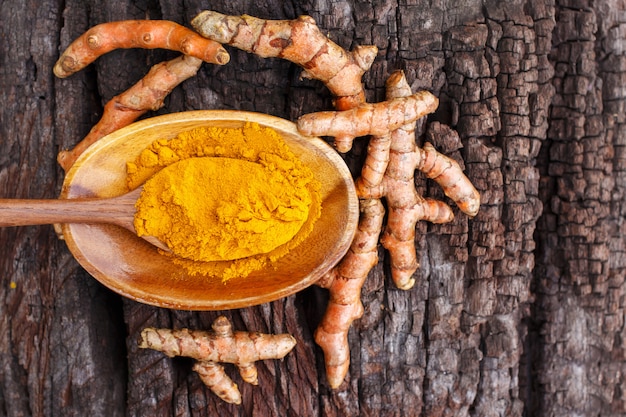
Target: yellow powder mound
column 219, row 209
column 227, row 201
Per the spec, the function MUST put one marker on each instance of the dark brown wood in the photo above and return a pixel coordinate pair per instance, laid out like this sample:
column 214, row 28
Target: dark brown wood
column 517, row 311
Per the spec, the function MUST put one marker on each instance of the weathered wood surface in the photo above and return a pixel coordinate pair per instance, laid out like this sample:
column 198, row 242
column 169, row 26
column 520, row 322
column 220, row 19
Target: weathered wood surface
column 519, row 310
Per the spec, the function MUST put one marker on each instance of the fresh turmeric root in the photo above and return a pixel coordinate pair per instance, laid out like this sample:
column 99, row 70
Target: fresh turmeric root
column 388, row 172
column 213, row 376
column 149, row 92
column 369, row 119
column 123, row 109
column 301, row 42
column 406, row 206
column 344, row 283
column 147, row 34
column 221, row 345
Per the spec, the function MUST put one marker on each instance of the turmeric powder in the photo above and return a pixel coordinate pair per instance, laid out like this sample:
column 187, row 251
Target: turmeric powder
column 226, row 201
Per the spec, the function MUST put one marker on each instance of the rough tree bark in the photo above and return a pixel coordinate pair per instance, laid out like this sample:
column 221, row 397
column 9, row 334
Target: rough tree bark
column 517, row 311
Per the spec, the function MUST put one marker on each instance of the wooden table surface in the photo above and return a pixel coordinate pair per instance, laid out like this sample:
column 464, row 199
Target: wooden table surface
column 520, row 309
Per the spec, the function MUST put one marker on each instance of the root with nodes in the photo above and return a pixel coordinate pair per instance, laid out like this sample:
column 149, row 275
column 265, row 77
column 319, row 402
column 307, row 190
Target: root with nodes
column 221, row 345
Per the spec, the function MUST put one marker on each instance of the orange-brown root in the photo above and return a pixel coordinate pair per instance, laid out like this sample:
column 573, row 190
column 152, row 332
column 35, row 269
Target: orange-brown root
column 399, row 236
column 449, row 175
column 249, row 373
column 147, row 34
column 368, row 185
column 209, row 346
column 369, row 119
column 125, row 108
column 221, row 345
column 403, row 259
column 301, row 42
column 214, row 377
column 399, row 190
column 344, row 285
column 388, row 172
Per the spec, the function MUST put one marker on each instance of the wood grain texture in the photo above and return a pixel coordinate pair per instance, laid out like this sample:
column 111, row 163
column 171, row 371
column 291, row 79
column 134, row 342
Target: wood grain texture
column 519, row 310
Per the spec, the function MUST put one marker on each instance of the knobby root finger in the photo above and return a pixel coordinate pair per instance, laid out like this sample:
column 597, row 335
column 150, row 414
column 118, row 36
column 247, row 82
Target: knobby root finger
column 147, row 34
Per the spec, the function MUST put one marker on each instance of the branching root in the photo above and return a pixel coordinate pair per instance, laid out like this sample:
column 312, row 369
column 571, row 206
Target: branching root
column 221, row 345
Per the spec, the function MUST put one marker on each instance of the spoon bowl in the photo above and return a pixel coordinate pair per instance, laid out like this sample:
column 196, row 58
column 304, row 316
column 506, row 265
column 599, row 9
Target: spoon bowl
column 135, row 269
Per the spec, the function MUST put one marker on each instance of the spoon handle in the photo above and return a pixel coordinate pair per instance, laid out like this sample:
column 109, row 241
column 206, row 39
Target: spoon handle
column 23, row 212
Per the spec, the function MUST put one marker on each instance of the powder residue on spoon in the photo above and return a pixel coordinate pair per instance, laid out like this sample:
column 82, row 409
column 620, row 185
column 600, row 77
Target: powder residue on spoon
column 226, row 201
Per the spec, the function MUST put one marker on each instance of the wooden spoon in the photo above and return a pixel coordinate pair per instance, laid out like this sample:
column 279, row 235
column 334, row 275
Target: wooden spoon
column 115, row 210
